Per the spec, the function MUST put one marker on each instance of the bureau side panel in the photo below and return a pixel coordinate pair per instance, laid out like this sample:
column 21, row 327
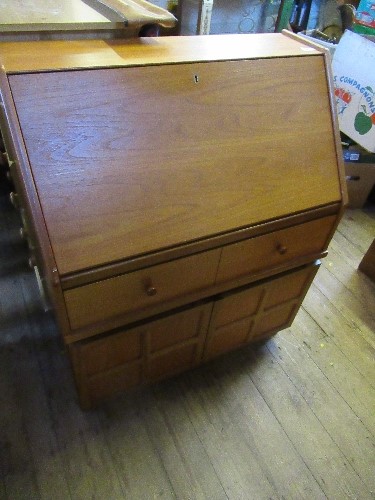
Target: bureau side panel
column 31, row 215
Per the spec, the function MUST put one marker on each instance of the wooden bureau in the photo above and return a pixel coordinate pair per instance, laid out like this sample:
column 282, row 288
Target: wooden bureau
column 176, row 193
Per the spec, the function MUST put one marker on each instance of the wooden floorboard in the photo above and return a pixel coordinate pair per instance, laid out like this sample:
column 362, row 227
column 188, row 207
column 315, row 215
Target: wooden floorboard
column 347, row 430
column 291, row 419
column 342, row 332
column 292, row 406
column 243, row 418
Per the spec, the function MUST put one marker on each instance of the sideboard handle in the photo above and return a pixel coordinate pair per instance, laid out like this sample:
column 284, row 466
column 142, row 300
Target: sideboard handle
column 282, row 249
column 151, row 290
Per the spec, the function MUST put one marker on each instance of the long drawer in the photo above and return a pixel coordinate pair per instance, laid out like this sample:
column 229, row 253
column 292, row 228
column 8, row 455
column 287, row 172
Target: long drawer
column 137, row 290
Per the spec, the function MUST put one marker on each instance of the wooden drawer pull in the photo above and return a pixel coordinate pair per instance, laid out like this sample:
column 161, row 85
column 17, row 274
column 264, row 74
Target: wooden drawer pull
column 282, row 249
column 151, row 290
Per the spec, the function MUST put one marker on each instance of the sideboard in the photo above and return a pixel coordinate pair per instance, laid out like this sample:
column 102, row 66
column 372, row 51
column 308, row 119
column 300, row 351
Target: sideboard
column 177, row 194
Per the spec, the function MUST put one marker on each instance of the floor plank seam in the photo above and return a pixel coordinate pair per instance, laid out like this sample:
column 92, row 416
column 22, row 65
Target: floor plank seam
column 338, row 346
column 347, row 460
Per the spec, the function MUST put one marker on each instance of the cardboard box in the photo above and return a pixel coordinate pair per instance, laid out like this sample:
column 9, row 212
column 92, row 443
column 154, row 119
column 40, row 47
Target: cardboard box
column 365, row 14
column 354, row 79
column 360, row 179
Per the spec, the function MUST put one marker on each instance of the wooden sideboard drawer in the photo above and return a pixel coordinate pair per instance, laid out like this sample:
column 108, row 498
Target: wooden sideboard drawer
column 137, row 290
column 271, row 250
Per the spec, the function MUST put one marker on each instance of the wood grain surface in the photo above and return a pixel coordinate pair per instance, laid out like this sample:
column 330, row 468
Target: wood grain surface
column 174, row 153
column 57, row 55
column 70, row 16
column 21, row 15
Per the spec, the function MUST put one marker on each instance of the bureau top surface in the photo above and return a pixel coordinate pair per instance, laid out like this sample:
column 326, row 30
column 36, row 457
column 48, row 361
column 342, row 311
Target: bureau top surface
column 128, row 161
column 71, row 54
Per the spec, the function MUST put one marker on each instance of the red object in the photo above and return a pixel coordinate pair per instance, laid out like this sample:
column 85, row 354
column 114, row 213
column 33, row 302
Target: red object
column 342, row 94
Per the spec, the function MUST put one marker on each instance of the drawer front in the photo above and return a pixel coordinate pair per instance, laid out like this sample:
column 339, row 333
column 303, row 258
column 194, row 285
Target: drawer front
column 271, row 250
column 138, row 290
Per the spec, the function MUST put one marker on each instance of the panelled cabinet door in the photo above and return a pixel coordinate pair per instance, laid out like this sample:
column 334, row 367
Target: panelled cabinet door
column 255, row 313
column 145, row 353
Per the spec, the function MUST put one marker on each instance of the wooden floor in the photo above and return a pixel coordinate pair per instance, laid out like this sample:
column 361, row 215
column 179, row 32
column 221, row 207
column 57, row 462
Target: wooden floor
column 293, row 419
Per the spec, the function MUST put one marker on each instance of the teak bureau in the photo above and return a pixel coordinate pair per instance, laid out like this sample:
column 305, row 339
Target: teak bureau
column 176, row 193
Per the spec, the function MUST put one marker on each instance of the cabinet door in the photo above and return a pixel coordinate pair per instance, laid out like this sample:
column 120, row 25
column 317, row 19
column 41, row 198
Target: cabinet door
column 257, row 312
column 175, row 343
column 145, row 353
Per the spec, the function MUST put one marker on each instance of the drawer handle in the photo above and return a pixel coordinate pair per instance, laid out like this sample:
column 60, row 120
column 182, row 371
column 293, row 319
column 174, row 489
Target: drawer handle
column 150, row 289
column 282, row 249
